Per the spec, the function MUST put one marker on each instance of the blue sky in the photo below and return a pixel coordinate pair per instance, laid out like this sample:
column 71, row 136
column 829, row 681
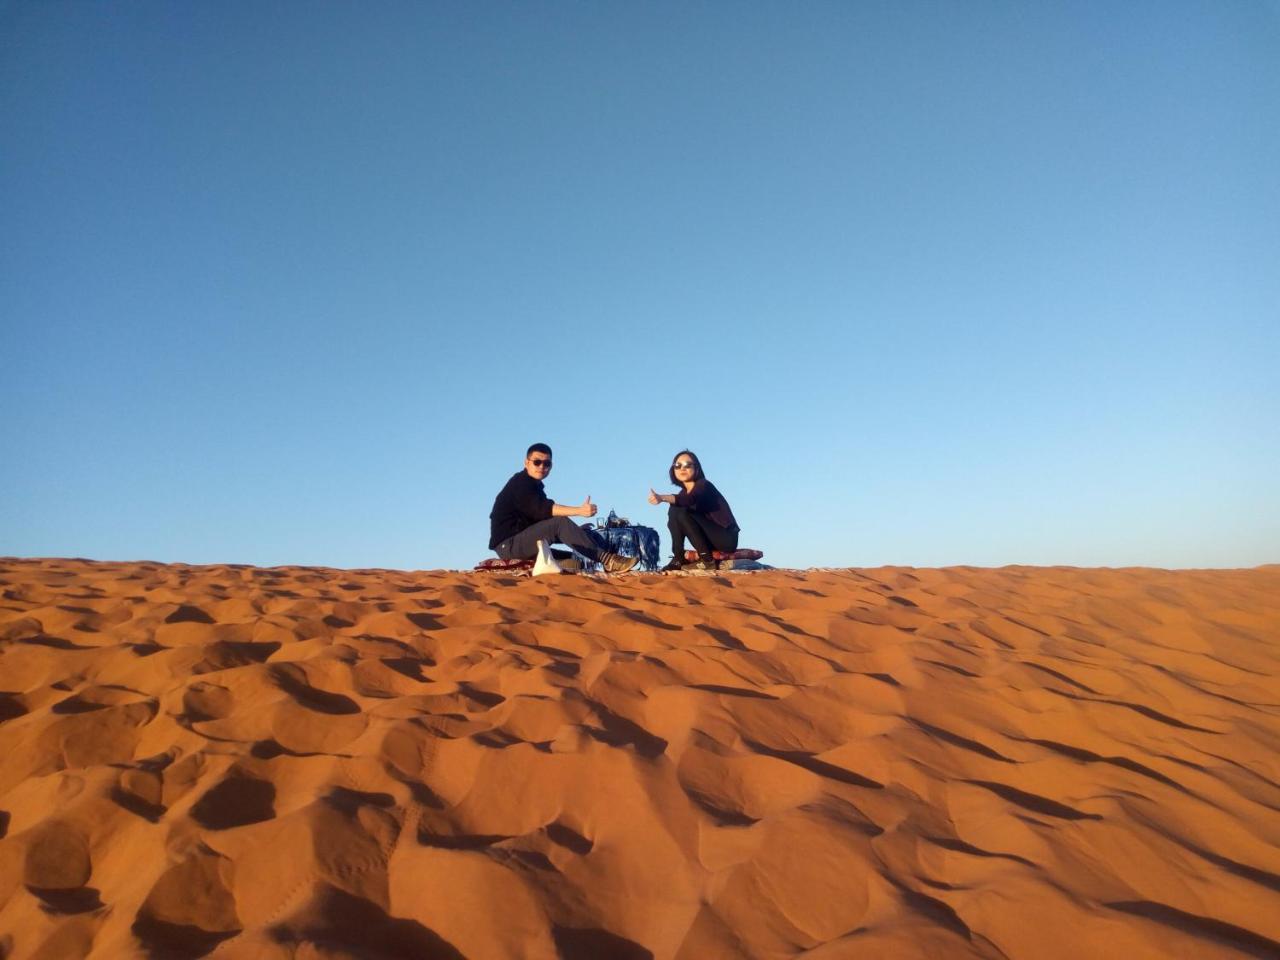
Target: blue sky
column 921, row 283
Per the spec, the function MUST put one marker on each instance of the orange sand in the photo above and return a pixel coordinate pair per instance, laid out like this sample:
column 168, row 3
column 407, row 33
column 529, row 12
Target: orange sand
column 241, row 762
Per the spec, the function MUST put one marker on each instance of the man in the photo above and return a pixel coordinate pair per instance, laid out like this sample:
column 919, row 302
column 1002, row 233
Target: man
column 523, row 514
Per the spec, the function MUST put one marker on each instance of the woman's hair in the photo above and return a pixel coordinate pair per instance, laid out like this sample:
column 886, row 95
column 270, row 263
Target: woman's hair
column 697, row 467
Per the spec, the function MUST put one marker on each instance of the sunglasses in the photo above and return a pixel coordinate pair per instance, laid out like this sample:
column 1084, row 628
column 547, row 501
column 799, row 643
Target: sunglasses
column 540, row 463
column 682, row 465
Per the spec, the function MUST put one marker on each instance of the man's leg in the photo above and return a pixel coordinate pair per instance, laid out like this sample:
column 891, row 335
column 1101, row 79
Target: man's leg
column 524, row 545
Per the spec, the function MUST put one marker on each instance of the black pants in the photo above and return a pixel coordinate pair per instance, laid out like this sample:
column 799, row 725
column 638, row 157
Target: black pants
column 524, row 545
column 702, row 533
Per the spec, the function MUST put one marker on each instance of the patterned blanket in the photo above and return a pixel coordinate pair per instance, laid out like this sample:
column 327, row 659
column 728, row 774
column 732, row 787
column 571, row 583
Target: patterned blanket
column 629, row 541
column 741, row 554
column 632, row 541
column 498, row 565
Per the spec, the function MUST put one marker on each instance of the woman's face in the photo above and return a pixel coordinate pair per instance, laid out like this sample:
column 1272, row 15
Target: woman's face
column 683, row 466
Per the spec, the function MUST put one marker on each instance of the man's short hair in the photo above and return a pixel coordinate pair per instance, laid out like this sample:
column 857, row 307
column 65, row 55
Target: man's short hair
column 537, row 448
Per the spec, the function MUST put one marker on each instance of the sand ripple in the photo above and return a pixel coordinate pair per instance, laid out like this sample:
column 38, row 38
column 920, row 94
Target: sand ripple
column 228, row 761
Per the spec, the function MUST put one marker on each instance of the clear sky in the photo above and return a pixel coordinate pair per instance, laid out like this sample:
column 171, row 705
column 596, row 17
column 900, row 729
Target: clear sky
column 922, row 283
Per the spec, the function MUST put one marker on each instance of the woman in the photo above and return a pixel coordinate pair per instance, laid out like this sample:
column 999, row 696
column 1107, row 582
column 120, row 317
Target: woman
column 699, row 512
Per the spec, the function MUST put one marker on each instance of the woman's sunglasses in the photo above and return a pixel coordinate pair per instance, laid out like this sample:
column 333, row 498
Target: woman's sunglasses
column 682, row 465
column 540, row 463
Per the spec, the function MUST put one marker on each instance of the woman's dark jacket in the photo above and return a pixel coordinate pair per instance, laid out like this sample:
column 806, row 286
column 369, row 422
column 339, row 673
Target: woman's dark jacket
column 705, row 499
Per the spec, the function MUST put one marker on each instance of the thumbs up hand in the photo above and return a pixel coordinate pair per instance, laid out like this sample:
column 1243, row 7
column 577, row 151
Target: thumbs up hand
column 588, row 508
column 653, row 497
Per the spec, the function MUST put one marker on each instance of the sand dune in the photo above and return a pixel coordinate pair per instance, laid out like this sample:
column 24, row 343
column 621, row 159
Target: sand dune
column 238, row 762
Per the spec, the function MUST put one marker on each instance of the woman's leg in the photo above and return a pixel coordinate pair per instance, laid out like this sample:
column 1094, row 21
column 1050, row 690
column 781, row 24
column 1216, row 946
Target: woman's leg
column 726, row 541
column 703, row 534
column 680, row 526
column 716, row 536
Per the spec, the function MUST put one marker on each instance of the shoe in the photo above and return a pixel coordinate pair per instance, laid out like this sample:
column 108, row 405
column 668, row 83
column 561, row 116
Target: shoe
column 544, row 563
column 567, row 559
column 674, row 564
column 616, row 563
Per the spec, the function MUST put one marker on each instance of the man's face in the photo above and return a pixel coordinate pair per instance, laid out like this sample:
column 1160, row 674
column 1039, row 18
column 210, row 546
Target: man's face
column 537, row 465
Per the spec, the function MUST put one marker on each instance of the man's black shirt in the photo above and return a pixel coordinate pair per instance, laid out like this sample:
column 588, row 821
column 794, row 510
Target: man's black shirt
column 519, row 505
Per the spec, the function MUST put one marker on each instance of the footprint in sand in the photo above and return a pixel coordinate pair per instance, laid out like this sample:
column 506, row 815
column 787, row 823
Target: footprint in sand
column 57, row 868
column 190, row 910
column 229, row 654
column 141, row 793
column 188, row 614
column 12, row 706
column 575, row 944
column 356, row 926
column 234, row 802
column 206, row 701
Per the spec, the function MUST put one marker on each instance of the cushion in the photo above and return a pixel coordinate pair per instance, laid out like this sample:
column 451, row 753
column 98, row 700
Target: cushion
column 742, row 554
column 498, row 564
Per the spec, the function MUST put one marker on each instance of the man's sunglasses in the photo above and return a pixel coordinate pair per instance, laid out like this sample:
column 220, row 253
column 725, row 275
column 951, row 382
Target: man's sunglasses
column 540, row 463
column 682, row 465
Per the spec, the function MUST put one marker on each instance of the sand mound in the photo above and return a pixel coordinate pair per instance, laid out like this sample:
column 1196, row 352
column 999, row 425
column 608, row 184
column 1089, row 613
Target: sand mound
column 229, row 761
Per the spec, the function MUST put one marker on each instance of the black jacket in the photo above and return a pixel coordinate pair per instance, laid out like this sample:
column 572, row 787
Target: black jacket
column 518, row 506
column 708, row 501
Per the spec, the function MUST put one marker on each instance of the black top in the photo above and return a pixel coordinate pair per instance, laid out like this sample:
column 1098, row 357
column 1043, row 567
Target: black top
column 518, row 506
column 708, row 501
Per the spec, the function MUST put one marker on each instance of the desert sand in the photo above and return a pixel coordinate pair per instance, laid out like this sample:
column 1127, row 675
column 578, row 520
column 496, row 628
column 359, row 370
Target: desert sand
column 230, row 761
